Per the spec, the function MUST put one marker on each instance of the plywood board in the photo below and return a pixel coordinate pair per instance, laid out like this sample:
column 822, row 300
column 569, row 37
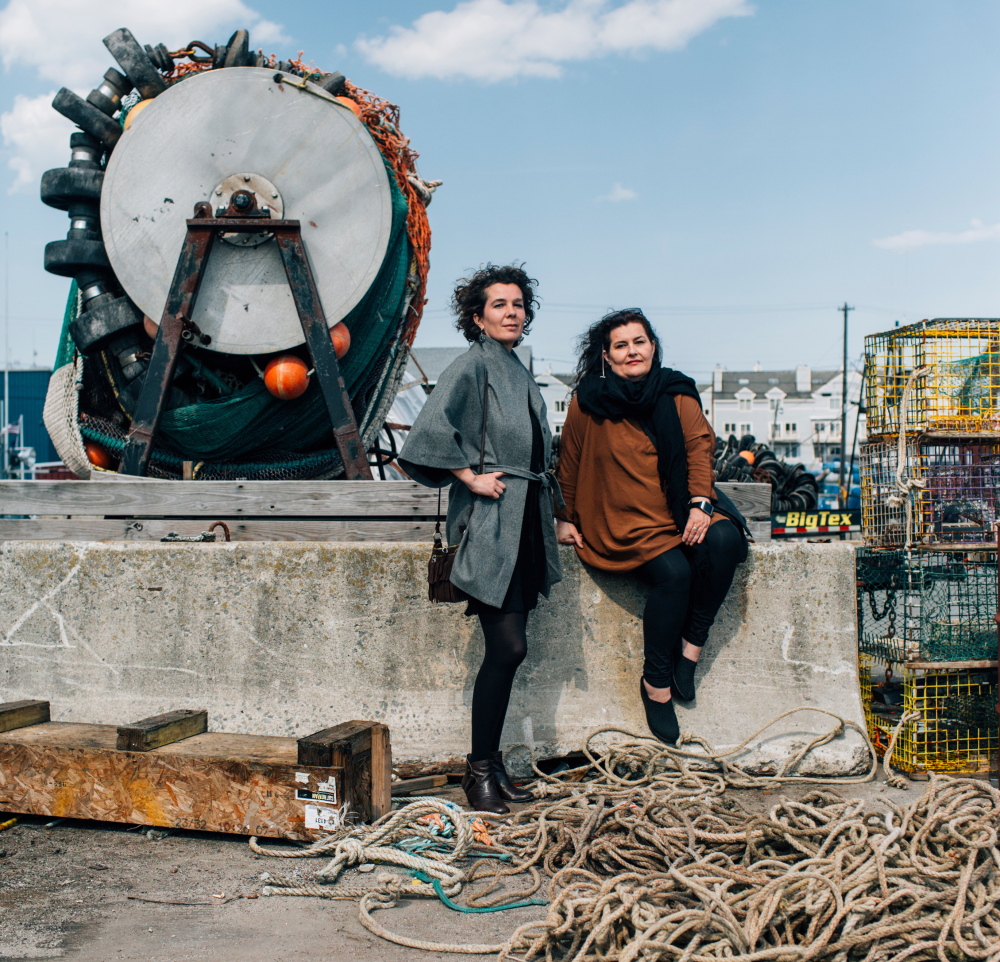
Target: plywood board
column 241, row 784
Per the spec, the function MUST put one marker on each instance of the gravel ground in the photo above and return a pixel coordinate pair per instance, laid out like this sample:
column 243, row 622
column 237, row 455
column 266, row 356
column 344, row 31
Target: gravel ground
column 73, row 891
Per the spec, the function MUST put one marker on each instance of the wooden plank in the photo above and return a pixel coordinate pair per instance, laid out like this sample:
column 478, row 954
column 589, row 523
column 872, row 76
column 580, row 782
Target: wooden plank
column 761, row 530
column 21, row 714
column 952, row 665
column 305, row 529
column 753, row 500
column 417, row 786
column 319, row 747
column 159, row 730
column 220, row 499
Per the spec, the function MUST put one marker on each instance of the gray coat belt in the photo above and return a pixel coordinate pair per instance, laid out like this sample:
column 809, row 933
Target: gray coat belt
column 446, row 436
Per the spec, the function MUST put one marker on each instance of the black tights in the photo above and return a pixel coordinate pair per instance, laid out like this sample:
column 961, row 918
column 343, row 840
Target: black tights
column 687, row 586
column 506, row 647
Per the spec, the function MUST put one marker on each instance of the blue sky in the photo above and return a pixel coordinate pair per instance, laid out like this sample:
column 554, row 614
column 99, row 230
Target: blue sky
column 737, row 169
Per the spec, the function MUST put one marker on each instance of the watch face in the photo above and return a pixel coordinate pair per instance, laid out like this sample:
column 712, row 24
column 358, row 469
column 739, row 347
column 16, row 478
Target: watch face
column 705, row 506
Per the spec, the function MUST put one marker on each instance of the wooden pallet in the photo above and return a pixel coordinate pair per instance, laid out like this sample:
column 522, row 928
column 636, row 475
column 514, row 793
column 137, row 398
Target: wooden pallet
column 139, row 510
column 170, row 771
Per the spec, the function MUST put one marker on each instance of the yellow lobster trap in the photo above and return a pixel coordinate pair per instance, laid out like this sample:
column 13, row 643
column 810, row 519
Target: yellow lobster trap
column 947, row 371
column 955, row 490
column 956, row 730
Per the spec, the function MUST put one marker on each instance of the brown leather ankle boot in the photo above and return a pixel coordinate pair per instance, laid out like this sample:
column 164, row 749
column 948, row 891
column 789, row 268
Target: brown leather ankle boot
column 507, row 790
column 480, row 786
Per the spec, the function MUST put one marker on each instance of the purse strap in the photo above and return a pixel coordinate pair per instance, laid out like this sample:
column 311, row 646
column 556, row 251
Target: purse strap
column 482, row 455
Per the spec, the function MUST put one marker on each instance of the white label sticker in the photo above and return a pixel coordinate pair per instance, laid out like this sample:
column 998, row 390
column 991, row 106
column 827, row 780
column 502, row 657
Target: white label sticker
column 329, row 786
column 302, row 778
column 322, row 818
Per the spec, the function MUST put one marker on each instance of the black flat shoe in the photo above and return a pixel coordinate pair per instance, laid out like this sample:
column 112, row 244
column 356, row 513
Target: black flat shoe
column 660, row 717
column 506, row 789
column 683, row 686
column 480, row 786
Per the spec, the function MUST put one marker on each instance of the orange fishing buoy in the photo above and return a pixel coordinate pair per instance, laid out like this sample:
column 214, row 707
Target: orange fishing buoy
column 747, row 456
column 349, row 104
column 341, row 338
column 150, row 327
column 135, row 110
column 287, row 377
column 97, row 456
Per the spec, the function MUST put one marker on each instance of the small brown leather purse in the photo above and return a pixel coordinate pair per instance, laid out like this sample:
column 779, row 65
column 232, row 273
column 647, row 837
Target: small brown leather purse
column 442, row 559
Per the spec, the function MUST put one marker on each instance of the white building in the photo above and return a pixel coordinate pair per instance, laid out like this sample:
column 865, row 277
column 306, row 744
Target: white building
column 796, row 413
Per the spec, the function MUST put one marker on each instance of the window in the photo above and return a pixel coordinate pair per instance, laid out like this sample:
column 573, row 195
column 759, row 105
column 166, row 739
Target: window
column 791, row 428
column 746, row 404
column 729, row 428
column 820, row 426
column 746, row 429
column 834, row 400
column 793, row 451
column 560, row 407
column 559, row 427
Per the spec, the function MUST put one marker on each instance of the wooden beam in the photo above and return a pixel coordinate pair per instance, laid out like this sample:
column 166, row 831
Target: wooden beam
column 219, row 499
column 417, row 786
column 21, row 714
column 146, row 530
column 360, row 749
column 753, row 500
column 160, row 730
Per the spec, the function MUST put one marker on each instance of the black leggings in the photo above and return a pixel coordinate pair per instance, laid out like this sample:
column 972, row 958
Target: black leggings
column 506, row 647
column 687, row 586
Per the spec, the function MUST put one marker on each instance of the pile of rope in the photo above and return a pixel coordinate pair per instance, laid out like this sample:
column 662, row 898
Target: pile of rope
column 644, row 854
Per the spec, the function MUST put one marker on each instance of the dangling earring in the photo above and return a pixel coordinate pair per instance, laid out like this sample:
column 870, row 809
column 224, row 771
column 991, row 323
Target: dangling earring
column 602, row 364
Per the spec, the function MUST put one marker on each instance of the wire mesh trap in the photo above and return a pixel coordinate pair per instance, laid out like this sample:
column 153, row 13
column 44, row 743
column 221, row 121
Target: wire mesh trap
column 958, row 392
column 932, row 606
column 957, row 729
column 955, row 501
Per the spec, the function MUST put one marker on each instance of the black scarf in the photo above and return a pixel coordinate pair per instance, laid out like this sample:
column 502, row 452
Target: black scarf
column 649, row 403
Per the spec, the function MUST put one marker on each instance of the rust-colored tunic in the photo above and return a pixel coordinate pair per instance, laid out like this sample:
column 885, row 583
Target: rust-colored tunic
column 608, row 475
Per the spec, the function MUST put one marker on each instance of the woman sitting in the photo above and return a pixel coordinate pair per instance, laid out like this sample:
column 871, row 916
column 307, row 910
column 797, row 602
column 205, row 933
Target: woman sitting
column 635, row 467
column 507, row 551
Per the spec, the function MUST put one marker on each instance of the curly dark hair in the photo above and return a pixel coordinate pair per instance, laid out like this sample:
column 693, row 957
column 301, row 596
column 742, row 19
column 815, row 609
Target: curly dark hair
column 597, row 338
column 469, row 298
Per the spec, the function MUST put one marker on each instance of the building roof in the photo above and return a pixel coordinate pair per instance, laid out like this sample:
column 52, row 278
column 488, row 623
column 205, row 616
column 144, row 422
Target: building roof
column 760, row 382
column 433, row 360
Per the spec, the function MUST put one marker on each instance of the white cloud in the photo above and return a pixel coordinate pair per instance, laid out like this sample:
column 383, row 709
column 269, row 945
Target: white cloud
column 61, row 41
column 493, row 40
column 39, row 137
column 618, row 194
column 910, row 239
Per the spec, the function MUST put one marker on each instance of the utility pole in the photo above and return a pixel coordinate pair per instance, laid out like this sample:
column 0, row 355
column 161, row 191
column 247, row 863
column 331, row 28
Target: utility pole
column 844, row 491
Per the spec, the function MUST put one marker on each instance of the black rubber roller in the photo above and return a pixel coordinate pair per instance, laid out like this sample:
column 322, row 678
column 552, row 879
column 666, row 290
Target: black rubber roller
column 135, row 62
column 64, row 186
column 333, row 83
column 238, row 50
column 94, row 328
column 160, row 57
column 73, row 256
column 87, row 117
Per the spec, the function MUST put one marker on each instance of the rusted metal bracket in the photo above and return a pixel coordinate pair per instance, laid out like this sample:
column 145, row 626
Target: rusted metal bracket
column 176, row 327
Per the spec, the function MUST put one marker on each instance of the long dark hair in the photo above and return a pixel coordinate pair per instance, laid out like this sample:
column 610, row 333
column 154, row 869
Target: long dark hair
column 469, row 298
column 597, row 338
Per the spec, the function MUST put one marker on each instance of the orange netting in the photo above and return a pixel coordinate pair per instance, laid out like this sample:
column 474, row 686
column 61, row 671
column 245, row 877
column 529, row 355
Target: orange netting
column 382, row 120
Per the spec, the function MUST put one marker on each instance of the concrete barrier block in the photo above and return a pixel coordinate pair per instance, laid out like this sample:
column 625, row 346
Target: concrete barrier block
column 286, row 638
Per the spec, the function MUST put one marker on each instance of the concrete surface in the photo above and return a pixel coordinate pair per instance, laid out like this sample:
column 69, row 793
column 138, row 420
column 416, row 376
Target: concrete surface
column 72, row 892
column 288, row 638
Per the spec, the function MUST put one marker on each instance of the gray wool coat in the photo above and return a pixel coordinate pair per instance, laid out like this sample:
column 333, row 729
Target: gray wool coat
column 446, row 435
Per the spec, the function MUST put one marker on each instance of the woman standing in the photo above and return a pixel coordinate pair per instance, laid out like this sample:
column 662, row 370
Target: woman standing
column 635, row 467
column 502, row 519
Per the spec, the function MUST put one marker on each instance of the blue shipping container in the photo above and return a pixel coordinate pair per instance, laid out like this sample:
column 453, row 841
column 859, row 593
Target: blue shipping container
column 27, row 399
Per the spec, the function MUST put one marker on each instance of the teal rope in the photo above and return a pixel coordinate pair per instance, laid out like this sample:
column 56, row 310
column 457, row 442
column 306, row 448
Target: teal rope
column 471, row 910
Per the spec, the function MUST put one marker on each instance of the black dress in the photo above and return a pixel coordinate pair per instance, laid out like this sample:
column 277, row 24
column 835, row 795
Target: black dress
column 529, row 570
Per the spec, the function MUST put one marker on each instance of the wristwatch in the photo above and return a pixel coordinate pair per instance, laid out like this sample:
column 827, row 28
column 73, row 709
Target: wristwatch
column 705, row 506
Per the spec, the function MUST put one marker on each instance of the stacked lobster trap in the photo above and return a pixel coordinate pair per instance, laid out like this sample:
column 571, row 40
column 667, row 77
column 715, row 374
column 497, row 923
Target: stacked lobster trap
column 927, row 588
